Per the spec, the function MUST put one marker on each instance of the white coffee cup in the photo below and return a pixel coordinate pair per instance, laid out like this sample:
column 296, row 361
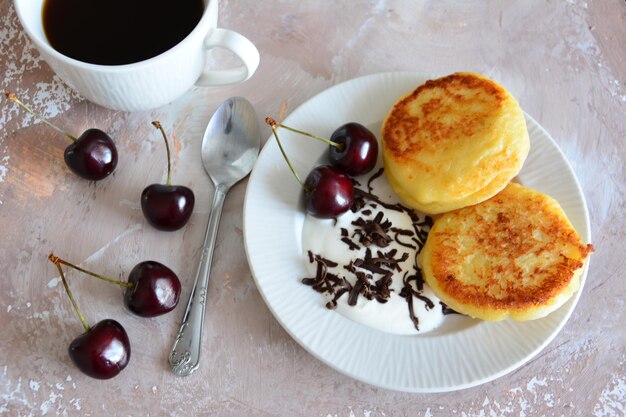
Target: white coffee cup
column 155, row 81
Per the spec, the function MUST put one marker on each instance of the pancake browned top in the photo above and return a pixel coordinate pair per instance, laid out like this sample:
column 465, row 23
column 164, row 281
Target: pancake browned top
column 515, row 255
column 453, row 142
column 440, row 113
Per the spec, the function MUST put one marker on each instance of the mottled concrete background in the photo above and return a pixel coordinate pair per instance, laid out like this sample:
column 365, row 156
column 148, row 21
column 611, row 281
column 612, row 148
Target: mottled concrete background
column 565, row 61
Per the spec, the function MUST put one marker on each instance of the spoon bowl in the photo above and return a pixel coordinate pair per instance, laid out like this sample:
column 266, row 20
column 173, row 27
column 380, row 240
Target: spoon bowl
column 229, row 150
column 231, row 141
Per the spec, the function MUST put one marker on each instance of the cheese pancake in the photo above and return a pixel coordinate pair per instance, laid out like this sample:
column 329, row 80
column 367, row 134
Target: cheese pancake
column 515, row 255
column 453, row 142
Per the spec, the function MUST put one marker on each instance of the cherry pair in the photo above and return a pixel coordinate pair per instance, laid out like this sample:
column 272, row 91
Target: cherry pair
column 103, row 350
column 93, row 156
column 328, row 189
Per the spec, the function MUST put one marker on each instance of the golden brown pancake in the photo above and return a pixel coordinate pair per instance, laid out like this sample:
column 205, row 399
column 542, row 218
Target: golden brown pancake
column 453, row 142
column 515, row 255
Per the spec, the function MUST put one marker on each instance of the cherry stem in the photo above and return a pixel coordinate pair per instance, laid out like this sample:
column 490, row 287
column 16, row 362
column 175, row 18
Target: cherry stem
column 293, row 170
column 167, row 148
column 54, row 260
column 57, row 260
column 14, row 98
column 270, row 121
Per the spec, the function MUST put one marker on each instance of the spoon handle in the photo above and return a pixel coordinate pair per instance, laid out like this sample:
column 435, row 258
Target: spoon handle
column 185, row 354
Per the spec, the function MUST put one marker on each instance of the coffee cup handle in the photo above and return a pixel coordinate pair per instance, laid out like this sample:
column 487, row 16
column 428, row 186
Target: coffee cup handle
column 240, row 46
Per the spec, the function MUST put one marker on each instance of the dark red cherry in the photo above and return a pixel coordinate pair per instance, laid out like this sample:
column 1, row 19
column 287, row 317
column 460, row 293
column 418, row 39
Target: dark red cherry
column 155, row 289
column 103, row 351
column 357, row 151
column 167, row 207
column 152, row 288
column 328, row 192
column 92, row 156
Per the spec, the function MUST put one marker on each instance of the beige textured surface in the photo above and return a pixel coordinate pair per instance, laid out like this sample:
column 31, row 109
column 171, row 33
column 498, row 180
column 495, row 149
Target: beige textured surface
column 565, row 61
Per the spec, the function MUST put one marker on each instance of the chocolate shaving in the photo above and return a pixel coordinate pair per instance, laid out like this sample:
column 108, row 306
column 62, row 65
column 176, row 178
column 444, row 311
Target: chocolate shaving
column 382, row 288
column 373, row 177
column 426, row 300
column 408, row 292
column 350, row 243
column 373, row 231
column 388, row 259
column 428, row 221
column 323, row 281
column 332, row 304
column 358, row 193
column 382, row 264
column 422, row 235
column 396, row 207
column 414, row 318
column 327, row 262
column 402, row 232
column 447, row 310
column 354, row 293
column 309, row 281
column 369, row 266
column 364, row 278
column 358, row 203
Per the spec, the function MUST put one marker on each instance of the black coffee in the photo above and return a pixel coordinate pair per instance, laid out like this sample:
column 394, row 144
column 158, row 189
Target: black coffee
column 116, row 32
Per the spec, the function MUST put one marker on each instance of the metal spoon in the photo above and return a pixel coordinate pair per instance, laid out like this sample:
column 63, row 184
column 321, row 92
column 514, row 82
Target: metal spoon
column 229, row 149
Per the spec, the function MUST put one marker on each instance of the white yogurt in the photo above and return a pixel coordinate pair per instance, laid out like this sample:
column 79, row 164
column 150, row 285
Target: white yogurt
column 323, row 237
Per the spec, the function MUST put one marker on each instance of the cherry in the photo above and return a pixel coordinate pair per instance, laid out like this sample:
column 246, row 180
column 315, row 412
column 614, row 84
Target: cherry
column 359, row 152
column 166, row 206
column 152, row 288
column 103, row 350
column 155, row 289
column 92, row 155
column 353, row 148
column 328, row 192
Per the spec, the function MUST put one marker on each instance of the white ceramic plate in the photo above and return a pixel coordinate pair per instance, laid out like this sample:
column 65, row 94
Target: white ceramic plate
column 464, row 352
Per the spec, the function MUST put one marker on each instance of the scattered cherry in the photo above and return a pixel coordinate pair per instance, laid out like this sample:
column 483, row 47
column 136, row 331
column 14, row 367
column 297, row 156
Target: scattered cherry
column 152, row 288
column 359, row 150
column 103, row 351
column 328, row 192
column 92, row 155
column 155, row 289
column 353, row 148
column 166, row 206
